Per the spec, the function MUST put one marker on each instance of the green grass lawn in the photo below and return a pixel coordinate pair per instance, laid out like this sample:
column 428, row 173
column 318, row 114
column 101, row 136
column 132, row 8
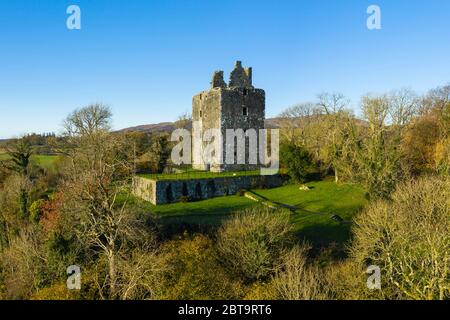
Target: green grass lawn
column 314, row 208
column 196, row 174
column 311, row 217
column 211, row 211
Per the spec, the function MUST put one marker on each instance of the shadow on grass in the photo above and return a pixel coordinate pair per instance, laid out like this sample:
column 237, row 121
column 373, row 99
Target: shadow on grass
column 324, row 234
column 312, row 218
column 328, row 242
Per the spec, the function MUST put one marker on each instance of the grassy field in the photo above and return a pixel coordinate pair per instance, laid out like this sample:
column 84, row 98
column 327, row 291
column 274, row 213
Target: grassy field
column 311, row 216
column 45, row 161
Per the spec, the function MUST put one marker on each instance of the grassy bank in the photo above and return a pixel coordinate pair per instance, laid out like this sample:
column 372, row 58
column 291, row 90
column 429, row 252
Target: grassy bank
column 311, row 210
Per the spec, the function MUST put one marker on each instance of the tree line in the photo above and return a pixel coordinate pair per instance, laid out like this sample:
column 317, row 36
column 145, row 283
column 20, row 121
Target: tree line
column 398, row 136
column 84, row 213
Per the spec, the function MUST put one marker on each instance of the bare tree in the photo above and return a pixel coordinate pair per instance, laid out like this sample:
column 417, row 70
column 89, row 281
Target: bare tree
column 336, row 123
column 295, row 122
column 332, row 103
column 378, row 149
column 404, row 106
column 96, row 187
column 88, row 121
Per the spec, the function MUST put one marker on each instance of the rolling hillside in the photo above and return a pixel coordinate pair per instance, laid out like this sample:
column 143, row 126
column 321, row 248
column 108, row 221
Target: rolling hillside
column 170, row 126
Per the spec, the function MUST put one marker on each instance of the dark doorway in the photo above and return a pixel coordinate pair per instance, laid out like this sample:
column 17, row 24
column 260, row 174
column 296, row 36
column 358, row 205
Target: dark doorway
column 169, row 194
column 184, row 190
column 198, row 191
column 211, row 187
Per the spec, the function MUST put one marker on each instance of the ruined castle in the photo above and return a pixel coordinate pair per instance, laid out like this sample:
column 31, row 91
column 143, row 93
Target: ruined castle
column 236, row 105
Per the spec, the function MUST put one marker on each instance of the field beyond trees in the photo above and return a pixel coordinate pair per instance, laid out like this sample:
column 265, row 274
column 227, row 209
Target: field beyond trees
column 44, row 161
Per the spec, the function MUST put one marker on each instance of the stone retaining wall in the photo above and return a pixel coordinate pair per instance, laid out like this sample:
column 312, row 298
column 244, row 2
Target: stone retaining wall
column 169, row 191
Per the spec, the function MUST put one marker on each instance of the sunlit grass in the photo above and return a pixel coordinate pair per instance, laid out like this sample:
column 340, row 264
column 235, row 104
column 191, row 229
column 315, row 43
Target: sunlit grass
column 195, row 174
column 311, row 210
column 45, row 161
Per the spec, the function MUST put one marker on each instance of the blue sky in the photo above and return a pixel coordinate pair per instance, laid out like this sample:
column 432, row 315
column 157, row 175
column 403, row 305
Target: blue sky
column 146, row 59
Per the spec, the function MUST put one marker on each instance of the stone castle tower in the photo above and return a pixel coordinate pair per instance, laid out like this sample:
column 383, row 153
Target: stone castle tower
column 237, row 105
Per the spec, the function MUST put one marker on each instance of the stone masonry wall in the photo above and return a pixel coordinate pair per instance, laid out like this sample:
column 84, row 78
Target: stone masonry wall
column 206, row 114
column 169, row 191
column 237, row 105
column 234, row 100
column 144, row 189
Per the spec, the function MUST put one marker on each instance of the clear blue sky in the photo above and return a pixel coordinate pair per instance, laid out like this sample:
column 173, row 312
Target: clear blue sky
column 146, row 59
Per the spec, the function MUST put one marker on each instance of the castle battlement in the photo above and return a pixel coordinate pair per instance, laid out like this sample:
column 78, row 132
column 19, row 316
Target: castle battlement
column 239, row 77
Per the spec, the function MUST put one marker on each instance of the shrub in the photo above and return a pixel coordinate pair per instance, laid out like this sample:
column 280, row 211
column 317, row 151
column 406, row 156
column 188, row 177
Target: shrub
column 347, row 280
column 251, row 243
column 240, row 193
column 298, row 162
column 36, row 210
column 140, row 274
column 261, row 291
column 21, row 265
column 409, row 239
column 295, row 280
column 193, row 272
column 57, row 291
column 51, row 213
column 442, row 157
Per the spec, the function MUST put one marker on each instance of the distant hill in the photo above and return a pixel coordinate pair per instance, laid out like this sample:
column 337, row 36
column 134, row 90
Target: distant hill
column 151, row 128
column 170, row 126
column 270, row 123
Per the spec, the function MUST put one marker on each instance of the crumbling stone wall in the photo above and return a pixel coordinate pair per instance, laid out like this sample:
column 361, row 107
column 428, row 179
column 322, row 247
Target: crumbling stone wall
column 206, row 114
column 241, row 77
column 169, row 191
column 237, row 105
column 217, row 80
column 144, row 189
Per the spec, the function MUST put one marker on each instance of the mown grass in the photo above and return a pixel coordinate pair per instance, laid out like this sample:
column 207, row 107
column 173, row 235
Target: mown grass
column 196, row 174
column 314, row 209
column 311, row 210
